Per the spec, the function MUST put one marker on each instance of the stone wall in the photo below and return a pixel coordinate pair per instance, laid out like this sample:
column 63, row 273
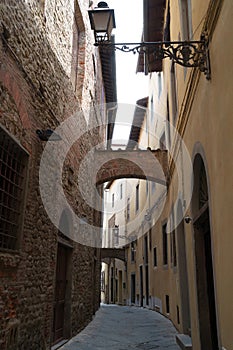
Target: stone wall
column 36, row 93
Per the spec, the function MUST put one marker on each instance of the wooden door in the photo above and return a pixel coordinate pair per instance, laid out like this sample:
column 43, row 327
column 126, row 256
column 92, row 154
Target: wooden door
column 60, row 294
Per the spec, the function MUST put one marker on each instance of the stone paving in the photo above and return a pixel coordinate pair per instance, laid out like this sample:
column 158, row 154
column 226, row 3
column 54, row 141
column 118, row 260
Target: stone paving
column 122, row 327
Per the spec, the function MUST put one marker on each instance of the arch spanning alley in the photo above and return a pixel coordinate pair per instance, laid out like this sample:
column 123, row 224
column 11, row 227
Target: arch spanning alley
column 142, row 164
column 116, row 253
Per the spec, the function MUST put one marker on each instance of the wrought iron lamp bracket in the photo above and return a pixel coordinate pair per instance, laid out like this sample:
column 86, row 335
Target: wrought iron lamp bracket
column 185, row 53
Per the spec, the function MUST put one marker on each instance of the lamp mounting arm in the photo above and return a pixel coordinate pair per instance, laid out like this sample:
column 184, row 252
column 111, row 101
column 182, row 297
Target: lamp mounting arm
column 185, row 53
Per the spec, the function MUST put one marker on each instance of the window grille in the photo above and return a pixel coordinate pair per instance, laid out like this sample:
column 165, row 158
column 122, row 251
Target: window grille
column 12, row 180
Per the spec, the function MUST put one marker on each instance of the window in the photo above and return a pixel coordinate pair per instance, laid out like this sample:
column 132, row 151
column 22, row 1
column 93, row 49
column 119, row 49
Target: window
column 150, row 239
column 155, row 257
column 113, row 200
column 137, row 197
column 133, row 251
column 178, row 314
column 165, row 254
column 128, row 210
column 167, row 304
column 121, row 191
column 173, row 248
column 146, row 249
column 13, row 164
column 173, row 92
column 173, row 243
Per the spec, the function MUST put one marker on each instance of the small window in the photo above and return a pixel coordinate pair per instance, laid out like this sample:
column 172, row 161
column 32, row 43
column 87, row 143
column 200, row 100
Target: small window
column 165, row 245
column 13, row 167
column 133, row 251
column 150, row 239
column 167, row 304
column 155, row 257
column 174, row 92
column 168, row 124
column 128, row 210
column 178, row 314
column 121, row 191
column 173, row 249
column 146, row 249
column 137, row 197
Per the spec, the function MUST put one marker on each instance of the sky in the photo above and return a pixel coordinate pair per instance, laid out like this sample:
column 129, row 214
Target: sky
column 130, row 86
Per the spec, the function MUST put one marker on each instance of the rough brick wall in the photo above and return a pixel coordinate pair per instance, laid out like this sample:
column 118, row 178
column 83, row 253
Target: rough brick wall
column 36, row 93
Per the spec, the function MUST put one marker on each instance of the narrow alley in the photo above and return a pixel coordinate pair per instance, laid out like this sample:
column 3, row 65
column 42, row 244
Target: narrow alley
column 116, row 191
column 122, row 327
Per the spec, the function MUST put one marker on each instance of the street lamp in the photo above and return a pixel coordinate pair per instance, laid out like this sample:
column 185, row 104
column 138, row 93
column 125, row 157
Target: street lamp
column 102, row 22
column 115, row 232
column 185, row 53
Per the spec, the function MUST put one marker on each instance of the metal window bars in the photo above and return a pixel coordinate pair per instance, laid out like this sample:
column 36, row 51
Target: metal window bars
column 12, row 176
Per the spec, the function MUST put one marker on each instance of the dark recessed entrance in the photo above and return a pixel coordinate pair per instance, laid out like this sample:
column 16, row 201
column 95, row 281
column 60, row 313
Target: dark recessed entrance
column 204, row 265
column 60, row 300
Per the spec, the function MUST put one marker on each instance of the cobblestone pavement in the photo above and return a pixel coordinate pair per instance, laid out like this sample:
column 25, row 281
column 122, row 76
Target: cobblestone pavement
column 125, row 328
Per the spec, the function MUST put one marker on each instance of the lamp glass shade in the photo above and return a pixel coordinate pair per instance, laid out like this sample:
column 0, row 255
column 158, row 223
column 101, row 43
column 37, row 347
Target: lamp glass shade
column 102, row 22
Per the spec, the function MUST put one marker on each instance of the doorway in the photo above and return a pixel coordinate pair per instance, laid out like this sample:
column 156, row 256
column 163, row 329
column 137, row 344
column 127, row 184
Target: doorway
column 205, row 283
column 133, row 288
column 147, row 284
column 183, row 274
column 120, row 288
column 60, row 300
column 141, row 285
column 204, row 262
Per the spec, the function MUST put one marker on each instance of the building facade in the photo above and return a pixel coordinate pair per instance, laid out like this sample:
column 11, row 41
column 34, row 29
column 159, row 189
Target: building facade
column 49, row 70
column 181, row 257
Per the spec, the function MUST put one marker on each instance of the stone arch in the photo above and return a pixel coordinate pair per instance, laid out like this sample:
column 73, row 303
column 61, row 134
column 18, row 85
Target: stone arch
column 141, row 164
column 203, row 243
column 113, row 253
